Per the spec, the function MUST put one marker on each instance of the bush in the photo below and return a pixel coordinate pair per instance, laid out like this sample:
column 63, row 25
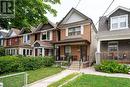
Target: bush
column 2, row 51
column 16, row 64
column 112, row 67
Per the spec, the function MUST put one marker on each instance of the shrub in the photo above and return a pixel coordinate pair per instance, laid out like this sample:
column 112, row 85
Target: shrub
column 2, row 51
column 112, row 67
column 16, row 64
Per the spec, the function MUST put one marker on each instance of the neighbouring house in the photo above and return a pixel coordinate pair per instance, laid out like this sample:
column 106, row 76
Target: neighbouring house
column 43, row 36
column 76, row 37
column 12, row 41
column 34, row 42
column 2, row 36
column 114, row 36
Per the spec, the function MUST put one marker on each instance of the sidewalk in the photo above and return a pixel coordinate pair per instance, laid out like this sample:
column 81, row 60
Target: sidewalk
column 45, row 82
column 91, row 70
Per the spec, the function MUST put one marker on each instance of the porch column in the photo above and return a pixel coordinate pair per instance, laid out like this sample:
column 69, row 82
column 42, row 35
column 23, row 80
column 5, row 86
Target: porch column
column 97, row 54
column 43, row 52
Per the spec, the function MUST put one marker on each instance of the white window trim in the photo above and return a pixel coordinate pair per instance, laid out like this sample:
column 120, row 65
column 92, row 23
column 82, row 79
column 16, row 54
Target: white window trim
column 51, row 35
column 111, row 29
column 113, row 42
column 69, row 49
column 82, row 29
column 26, row 37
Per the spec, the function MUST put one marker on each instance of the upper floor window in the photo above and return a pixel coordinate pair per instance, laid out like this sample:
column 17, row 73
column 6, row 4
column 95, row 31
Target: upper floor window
column 26, row 38
column 73, row 31
column 119, row 22
column 47, row 35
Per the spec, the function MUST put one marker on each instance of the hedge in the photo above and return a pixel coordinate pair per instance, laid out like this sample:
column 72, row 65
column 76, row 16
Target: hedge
column 112, row 67
column 18, row 64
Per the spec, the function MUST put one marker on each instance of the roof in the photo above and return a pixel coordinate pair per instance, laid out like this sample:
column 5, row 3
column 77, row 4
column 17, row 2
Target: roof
column 41, row 25
column 70, row 12
column 17, row 32
column 71, row 40
column 119, row 7
column 43, row 43
column 3, row 33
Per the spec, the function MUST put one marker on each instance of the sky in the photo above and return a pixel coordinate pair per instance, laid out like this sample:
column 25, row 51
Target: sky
column 91, row 8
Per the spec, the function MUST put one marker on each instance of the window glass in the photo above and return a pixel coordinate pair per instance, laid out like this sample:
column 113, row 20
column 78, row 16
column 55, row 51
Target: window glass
column 43, row 36
column 119, row 22
column 67, row 49
column 113, row 46
column 74, row 31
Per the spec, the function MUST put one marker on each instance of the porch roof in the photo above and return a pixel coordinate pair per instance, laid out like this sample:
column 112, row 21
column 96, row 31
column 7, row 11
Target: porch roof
column 76, row 41
column 45, row 44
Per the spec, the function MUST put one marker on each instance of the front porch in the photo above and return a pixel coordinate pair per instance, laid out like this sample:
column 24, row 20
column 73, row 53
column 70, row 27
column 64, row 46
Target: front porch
column 115, row 50
column 73, row 51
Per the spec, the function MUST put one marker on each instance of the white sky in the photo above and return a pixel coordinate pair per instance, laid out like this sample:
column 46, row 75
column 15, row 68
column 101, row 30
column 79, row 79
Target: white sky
column 91, row 8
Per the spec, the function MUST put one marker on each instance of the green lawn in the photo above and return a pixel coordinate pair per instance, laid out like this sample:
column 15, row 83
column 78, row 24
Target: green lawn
column 34, row 75
column 98, row 81
column 56, row 84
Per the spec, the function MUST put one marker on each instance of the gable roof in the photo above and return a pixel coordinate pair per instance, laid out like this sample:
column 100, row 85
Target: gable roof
column 73, row 10
column 119, row 7
column 3, row 33
column 13, row 30
column 41, row 25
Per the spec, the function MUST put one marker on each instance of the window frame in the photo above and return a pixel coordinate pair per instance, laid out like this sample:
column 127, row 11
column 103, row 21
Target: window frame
column 114, row 43
column 74, row 30
column 118, row 22
column 46, row 33
column 25, row 38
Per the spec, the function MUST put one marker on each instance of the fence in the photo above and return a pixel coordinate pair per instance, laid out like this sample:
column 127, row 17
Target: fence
column 14, row 80
column 120, row 56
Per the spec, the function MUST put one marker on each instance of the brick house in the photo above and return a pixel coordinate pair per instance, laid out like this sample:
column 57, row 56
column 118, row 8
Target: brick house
column 114, row 36
column 76, row 37
column 34, row 42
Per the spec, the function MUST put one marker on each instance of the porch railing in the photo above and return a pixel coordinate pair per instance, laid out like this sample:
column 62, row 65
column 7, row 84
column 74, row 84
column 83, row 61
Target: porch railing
column 121, row 56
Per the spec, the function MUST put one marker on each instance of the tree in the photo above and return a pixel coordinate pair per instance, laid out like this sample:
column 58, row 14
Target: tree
column 30, row 13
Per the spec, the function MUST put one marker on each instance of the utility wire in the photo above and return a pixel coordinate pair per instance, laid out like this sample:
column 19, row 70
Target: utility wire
column 105, row 11
column 78, row 3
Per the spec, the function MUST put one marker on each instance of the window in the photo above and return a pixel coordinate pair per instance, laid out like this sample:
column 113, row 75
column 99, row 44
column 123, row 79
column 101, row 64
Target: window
column 46, row 35
column 26, row 38
column 74, row 31
column 112, row 46
column 67, row 49
column 119, row 22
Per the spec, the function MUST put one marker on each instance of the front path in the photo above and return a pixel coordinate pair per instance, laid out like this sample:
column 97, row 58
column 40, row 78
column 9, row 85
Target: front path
column 45, row 82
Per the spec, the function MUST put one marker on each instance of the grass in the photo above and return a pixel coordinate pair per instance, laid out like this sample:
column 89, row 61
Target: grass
column 33, row 75
column 38, row 74
column 56, row 84
column 98, row 81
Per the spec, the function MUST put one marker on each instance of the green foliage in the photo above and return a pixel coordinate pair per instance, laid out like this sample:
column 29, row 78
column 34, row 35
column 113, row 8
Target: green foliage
column 30, row 13
column 2, row 51
column 112, row 67
column 16, row 64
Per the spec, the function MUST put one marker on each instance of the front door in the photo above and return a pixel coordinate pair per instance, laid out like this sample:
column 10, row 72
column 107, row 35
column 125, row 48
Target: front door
column 83, row 52
column 113, row 49
column 38, row 51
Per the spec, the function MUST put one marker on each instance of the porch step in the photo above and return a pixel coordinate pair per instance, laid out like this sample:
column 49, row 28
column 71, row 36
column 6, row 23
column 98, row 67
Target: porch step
column 75, row 65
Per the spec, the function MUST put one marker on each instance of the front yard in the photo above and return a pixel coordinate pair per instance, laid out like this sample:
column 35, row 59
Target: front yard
column 33, row 75
column 98, row 81
column 38, row 74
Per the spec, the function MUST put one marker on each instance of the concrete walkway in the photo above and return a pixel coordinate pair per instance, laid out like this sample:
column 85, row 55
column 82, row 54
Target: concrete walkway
column 91, row 70
column 45, row 82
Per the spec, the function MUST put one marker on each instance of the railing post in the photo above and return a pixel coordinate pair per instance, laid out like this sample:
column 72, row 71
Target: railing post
column 98, row 59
